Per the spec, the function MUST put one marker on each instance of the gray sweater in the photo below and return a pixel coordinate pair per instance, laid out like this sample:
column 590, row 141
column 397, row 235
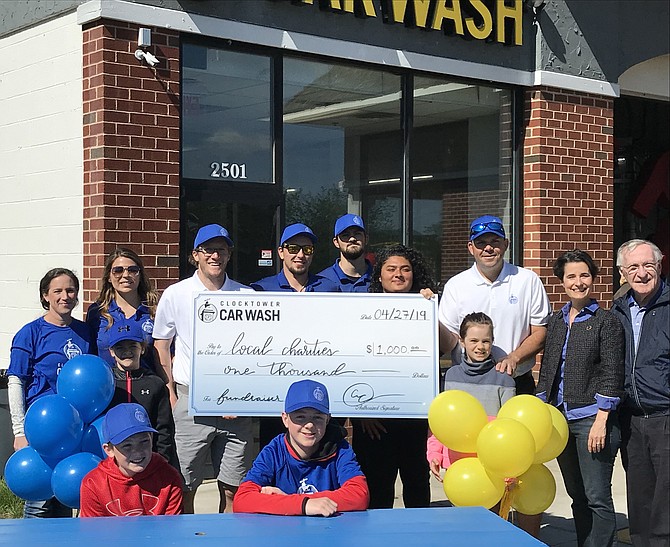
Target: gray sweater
column 481, row 380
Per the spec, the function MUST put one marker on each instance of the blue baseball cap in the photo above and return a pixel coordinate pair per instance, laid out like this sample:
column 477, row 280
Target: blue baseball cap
column 346, row 221
column 125, row 330
column 488, row 224
column 124, row 420
column 307, row 394
column 297, row 229
column 210, row 232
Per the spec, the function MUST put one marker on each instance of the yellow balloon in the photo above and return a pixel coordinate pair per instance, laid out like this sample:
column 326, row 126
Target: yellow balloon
column 531, row 412
column 559, row 437
column 535, row 491
column 456, row 418
column 467, row 483
column 505, row 447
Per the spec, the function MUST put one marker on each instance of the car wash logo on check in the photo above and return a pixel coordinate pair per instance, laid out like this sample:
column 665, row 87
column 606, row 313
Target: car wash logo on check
column 240, row 310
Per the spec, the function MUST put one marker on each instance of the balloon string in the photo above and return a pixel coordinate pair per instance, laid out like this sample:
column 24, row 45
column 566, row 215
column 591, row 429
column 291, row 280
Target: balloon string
column 507, row 498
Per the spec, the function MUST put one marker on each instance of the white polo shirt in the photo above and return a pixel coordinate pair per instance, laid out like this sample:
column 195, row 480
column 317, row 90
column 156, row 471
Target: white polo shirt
column 174, row 319
column 514, row 301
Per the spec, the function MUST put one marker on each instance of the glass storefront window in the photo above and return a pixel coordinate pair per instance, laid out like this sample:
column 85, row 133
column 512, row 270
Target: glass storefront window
column 461, row 162
column 342, row 149
column 226, row 129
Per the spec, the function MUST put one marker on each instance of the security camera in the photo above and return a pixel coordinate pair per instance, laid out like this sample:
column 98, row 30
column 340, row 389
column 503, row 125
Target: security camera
column 146, row 56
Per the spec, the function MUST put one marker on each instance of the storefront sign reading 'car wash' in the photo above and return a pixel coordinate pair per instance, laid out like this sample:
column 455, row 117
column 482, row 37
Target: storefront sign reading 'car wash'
column 491, row 20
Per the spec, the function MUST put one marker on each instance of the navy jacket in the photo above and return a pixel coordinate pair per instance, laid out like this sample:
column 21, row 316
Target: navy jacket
column 647, row 380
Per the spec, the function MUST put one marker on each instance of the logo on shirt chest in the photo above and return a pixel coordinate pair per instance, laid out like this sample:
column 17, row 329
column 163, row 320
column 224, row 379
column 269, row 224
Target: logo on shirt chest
column 71, row 349
column 305, row 488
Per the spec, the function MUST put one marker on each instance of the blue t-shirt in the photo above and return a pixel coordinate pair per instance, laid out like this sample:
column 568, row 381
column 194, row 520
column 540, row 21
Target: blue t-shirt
column 345, row 283
column 40, row 349
column 279, row 283
column 98, row 325
column 275, row 466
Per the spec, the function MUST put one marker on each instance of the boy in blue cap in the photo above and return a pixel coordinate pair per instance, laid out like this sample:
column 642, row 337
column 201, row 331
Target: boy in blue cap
column 311, row 469
column 133, row 480
column 137, row 384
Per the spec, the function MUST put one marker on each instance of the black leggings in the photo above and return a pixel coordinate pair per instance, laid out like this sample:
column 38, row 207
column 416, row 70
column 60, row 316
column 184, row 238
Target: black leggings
column 402, row 449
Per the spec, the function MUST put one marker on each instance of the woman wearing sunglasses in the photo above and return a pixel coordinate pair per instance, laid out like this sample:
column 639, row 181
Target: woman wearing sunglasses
column 125, row 295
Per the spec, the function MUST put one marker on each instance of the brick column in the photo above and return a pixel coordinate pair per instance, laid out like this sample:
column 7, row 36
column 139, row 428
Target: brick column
column 131, row 151
column 568, row 190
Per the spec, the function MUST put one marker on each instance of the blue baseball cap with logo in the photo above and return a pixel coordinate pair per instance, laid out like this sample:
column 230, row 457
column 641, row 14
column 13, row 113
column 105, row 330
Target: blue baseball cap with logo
column 210, row 232
column 124, row 420
column 346, row 221
column 297, row 229
column 307, row 394
column 125, row 330
column 487, row 224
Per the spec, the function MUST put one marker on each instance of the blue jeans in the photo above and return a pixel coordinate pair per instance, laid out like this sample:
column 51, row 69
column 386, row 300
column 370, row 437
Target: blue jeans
column 588, row 481
column 46, row 509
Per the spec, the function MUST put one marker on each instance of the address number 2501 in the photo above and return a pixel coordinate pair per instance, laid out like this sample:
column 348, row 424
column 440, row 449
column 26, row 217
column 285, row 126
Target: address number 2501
column 228, row 170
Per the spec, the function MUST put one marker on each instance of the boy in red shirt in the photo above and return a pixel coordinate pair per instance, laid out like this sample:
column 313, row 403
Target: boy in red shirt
column 133, row 480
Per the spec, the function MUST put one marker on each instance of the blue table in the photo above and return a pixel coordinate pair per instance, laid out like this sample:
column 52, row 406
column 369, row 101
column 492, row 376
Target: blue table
column 438, row 526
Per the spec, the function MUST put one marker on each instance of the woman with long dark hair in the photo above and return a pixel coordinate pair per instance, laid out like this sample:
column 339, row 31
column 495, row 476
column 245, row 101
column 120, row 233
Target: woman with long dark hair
column 125, row 295
column 386, row 447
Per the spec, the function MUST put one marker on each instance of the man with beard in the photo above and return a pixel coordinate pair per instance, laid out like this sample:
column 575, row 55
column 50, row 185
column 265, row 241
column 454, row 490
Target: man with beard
column 351, row 272
column 296, row 251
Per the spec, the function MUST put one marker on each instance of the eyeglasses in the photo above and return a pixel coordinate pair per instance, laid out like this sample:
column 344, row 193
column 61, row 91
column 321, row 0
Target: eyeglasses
column 294, row 249
column 479, row 228
column 209, row 251
column 633, row 268
column 117, row 271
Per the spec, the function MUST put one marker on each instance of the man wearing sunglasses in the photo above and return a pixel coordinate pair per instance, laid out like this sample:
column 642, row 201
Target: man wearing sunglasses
column 227, row 439
column 513, row 297
column 351, row 271
column 296, row 251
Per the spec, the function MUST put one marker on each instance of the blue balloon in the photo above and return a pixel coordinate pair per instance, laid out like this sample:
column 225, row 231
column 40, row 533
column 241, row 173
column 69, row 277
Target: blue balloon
column 28, row 476
column 68, row 474
column 93, row 439
column 87, row 382
column 53, row 427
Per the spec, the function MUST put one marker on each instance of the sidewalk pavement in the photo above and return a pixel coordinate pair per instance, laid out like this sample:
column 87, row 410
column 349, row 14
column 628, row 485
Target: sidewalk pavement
column 557, row 529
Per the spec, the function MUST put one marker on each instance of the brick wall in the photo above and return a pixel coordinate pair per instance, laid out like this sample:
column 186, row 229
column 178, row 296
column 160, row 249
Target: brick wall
column 460, row 207
column 568, row 184
column 131, row 151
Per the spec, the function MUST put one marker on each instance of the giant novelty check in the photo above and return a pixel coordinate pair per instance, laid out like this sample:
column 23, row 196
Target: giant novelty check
column 376, row 353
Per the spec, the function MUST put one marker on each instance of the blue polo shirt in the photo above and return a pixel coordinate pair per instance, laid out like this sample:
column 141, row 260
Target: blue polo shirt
column 98, row 325
column 345, row 283
column 279, row 283
column 39, row 350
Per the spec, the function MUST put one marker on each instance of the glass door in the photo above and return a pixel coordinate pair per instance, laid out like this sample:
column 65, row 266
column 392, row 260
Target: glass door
column 251, row 217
